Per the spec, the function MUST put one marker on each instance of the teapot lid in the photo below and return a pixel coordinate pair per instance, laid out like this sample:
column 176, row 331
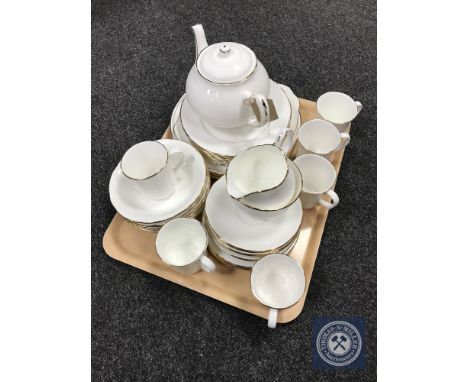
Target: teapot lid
column 226, row 62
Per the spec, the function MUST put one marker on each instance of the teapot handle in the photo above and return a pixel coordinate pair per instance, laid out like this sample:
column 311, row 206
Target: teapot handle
column 259, row 104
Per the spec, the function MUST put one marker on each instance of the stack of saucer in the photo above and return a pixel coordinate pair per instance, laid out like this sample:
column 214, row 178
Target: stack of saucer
column 244, row 225
column 239, row 238
column 191, row 211
column 219, row 146
column 238, row 257
column 133, row 198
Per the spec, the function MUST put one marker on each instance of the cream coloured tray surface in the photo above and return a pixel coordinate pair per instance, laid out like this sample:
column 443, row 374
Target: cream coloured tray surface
column 132, row 246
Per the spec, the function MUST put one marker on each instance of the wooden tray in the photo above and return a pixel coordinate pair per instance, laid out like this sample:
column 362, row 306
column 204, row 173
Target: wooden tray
column 132, row 246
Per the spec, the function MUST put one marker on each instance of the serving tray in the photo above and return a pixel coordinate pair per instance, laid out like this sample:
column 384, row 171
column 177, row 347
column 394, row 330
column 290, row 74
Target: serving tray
column 125, row 243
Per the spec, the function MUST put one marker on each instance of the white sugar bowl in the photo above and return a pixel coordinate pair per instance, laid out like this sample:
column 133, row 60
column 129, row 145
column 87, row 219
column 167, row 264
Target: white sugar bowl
column 228, row 86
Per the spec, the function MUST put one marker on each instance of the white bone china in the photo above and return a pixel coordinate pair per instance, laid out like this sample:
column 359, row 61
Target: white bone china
column 256, row 170
column 225, row 82
column 318, row 177
column 236, row 124
column 280, row 197
column 223, row 214
column 227, row 257
column 321, row 137
column 139, row 207
column 286, row 144
column 151, row 168
column 278, row 282
column 242, row 254
column 338, row 108
column 182, row 244
column 232, row 143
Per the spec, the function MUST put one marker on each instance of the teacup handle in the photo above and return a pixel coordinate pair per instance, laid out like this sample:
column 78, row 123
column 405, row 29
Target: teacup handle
column 263, row 109
column 176, row 159
column 206, row 264
column 345, row 139
column 272, row 318
column 334, row 197
column 359, row 106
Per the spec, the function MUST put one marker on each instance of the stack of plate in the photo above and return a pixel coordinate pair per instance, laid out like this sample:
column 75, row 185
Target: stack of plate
column 219, row 146
column 240, row 238
column 191, row 190
column 191, row 211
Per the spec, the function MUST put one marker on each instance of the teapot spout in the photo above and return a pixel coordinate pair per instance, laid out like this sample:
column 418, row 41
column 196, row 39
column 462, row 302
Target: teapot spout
column 200, row 39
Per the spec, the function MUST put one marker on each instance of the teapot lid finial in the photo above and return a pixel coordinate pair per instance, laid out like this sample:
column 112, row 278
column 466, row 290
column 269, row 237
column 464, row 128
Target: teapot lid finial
column 226, row 62
column 225, row 48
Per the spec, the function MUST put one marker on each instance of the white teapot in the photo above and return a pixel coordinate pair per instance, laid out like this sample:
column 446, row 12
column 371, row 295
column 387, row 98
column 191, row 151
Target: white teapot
column 227, row 87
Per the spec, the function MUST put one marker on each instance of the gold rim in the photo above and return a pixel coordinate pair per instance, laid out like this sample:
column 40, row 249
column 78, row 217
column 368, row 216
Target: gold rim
column 285, row 307
column 153, row 175
column 192, row 211
column 296, row 128
column 226, row 83
column 225, row 262
column 244, row 251
column 222, row 260
column 330, row 165
column 198, row 258
column 290, row 203
column 221, row 158
column 214, row 253
column 199, row 200
column 266, row 189
column 284, row 249
column 281, row 249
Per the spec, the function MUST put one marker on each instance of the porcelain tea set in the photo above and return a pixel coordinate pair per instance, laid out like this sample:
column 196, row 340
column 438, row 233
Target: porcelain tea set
column 238, row 127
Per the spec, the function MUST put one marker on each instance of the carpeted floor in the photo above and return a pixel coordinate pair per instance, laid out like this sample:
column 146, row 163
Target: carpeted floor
column 146, row 328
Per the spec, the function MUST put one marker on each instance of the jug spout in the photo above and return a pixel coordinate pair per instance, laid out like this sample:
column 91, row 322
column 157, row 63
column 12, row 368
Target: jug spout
column 200, row 39
column 234, row 191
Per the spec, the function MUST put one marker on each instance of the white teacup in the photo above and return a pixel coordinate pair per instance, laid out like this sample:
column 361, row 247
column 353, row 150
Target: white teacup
column 182, row 244
column 151, row 168
column 318, row 177
column 322, row 138
column 278, row 282
column 338, row 108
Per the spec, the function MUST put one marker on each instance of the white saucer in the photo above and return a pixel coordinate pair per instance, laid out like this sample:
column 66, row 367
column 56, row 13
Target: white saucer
column 179, row 134
column 136, row 206
column 217, row 250
column 236, row 259
column 196, row 130
column 225, row 218
column 239, row 134
column 244, row 256
column 222, row 247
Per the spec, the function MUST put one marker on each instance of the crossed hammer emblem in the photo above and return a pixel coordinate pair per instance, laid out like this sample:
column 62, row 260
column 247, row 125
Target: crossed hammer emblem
column 339, row 342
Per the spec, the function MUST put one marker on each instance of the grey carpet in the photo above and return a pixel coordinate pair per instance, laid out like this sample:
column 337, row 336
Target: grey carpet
column 146, row 328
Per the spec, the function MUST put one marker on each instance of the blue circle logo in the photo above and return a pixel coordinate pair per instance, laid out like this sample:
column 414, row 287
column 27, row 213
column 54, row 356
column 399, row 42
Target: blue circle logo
column 339, row 343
